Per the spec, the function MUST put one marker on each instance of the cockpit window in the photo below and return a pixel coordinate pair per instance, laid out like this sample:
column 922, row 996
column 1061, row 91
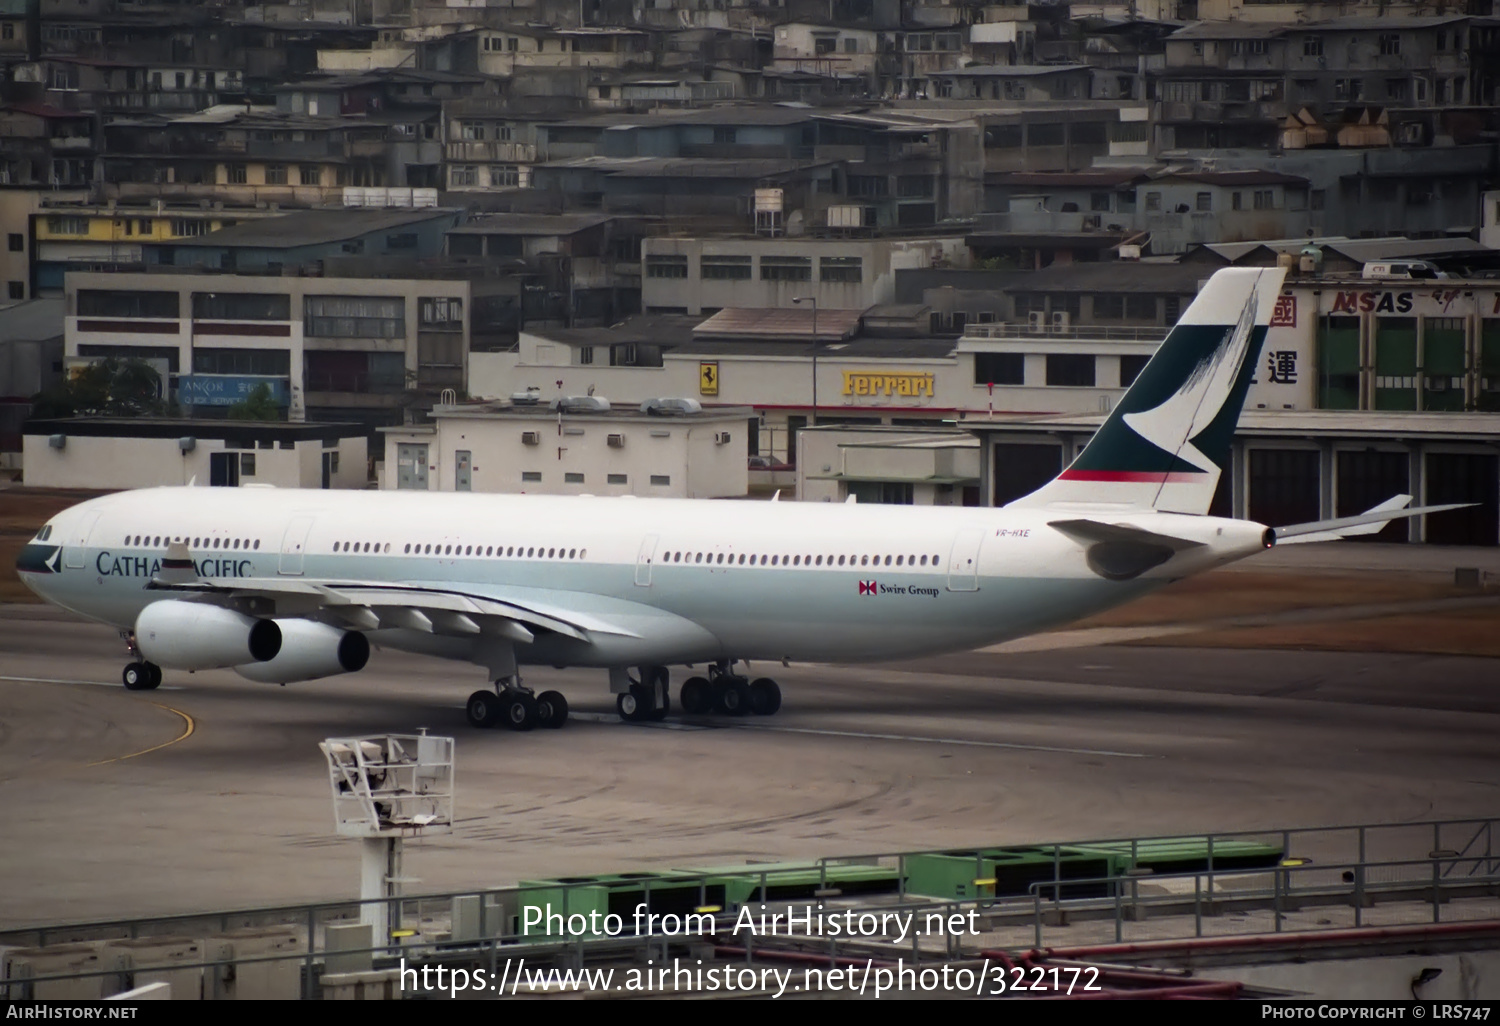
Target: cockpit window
column 44, row 533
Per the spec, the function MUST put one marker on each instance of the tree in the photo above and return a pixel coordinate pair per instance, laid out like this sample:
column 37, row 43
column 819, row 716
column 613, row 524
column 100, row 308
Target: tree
column 258, row 405
column 106, row 388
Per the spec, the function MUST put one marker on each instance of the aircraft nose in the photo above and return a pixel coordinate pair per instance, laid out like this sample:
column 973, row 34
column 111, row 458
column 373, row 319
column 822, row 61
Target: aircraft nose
column 36, row 561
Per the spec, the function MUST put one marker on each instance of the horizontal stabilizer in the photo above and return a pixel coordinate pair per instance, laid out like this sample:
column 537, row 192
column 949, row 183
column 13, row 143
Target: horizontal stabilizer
column 1369, row 522
column 1118, row 552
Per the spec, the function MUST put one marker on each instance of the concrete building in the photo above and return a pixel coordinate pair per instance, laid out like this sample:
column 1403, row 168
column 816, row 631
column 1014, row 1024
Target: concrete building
column 899, row 466
column 574, row 446
column 31, row 360
column 700, row 276
column 98, row 452
column 1296, row 467
column 345, row 348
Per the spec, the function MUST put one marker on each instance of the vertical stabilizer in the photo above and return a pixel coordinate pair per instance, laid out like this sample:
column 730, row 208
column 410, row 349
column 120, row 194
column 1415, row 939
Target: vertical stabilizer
column 1167, row 442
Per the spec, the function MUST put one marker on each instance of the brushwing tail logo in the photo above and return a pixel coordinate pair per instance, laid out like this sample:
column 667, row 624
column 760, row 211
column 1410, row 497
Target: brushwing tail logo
column 1174, row 424
column 868, row 588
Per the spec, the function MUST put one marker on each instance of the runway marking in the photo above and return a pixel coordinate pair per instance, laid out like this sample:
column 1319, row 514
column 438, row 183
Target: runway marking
column 191, row 726
column 95, row 683
column 607, row 719
column 943, row 741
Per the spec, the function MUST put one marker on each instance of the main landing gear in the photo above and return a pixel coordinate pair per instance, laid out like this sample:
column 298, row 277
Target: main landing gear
column 138, row 675
column 514, row 706
column 648, row 698
column 729, row 693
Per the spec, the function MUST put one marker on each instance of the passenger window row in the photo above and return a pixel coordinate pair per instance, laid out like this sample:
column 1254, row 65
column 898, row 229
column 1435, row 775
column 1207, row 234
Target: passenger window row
column 497, row 551
column 742, row 559
column 158, row 540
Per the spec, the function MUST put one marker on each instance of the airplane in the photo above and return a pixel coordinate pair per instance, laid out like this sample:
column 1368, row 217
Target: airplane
column 288, row 585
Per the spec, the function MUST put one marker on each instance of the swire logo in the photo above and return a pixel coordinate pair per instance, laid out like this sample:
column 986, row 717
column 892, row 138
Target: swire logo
column 868, row 588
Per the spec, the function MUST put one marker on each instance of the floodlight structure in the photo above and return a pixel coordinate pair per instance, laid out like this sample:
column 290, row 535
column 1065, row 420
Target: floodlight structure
column 388, row 788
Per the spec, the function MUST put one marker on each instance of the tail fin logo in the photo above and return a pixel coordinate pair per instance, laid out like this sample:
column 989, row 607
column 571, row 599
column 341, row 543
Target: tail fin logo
column 1174, row 424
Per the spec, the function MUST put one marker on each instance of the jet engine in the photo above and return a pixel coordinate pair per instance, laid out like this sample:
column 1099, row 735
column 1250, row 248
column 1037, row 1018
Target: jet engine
column 310, row 650
column 198, row 636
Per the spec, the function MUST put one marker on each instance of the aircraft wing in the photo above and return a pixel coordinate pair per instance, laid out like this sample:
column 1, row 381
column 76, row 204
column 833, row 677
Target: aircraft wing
column 435, row 607
column 1368, row 522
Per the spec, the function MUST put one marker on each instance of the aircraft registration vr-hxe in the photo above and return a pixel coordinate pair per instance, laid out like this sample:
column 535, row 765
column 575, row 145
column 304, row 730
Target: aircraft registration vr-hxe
column 293, row 585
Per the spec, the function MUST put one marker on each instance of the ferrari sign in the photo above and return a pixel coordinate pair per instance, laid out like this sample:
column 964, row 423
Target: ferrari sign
column 708, row 378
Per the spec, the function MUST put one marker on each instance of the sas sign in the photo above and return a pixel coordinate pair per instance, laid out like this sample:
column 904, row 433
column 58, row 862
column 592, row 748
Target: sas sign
column 226, row 389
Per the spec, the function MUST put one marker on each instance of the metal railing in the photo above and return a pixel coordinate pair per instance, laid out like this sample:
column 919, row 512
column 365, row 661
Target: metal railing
column 1067, row 332
column 1431, row 863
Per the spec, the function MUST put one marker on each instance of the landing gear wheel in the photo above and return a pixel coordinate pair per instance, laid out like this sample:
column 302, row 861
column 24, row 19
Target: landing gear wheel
column 141, row 676
column 765, row 696
column 483, row 709
column 734, row 700
column 551, row 709
column 634, row 705
column 697, row 696
column 519, row 711
column 660, row 693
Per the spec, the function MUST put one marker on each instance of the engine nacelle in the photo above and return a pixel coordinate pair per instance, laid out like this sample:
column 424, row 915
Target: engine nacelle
column 198, row 636
column 310, row 650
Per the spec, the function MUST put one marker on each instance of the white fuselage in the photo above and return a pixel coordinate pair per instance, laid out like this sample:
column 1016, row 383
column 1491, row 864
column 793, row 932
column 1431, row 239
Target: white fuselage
column 686, row 580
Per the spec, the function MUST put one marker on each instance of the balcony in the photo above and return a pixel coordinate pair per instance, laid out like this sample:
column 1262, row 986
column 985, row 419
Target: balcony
column 1046, row 222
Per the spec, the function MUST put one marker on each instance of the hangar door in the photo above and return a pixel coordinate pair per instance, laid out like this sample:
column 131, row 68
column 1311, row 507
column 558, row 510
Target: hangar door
column 1368, row 477
column 1463, row 477
column 1283, row 486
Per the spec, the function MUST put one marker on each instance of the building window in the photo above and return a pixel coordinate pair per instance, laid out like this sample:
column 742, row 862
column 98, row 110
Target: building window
column 119, row 303
column 1140, row 308
column 355, row 317
column 1070, row 369
column 1236, row 201
column 310, row 174
column 1130, row 368
column 785, row 268
column 17, row 242
column 464, row 175
column 275, row 174
column 999, row 368
column 270, row 363
column 914, row 186
column 1204, row 201
column 441, row 312
column 1265, row 199
column 720, row 267
column 1109, row 307
column 661, row 479
column 843, row 269
column 1390, row 44
column 669, row 265
column 241, row 306
column 572, row 477
column 18, row 290
column 1317, row 199
column 617, row 479
column 1153, row 201
column 504, row 176
column 531, row 475
column 184, row 228
column 472, row 131
column 1312, row 46
column 1348, row 88
column 67, row 225
column 725, row 136
column 585, row 354
column 401, row 240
